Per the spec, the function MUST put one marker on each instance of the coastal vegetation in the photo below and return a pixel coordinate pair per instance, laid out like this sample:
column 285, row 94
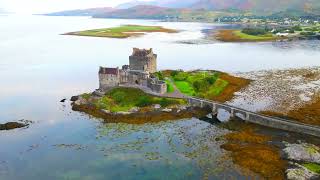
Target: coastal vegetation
column 308, row 113
column 312, row 167
column 124, row 31
column 125, row 99
column 131, row 105
column 241, row 36
column 211, row 85
column 252, row 152
column 256, row 34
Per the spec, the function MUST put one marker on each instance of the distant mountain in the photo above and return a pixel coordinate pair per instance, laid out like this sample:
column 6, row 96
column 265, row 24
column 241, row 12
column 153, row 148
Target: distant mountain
column 82, row 12
column 161, row 3
column 202, row 10
column 174, row 14
column 254, row 6
column 135, row 3
column 260, row 6
column 140, row 12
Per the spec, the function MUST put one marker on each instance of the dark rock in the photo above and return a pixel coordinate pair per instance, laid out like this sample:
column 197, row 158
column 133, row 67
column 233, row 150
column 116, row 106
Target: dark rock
column 74, row 98
column 12, row 125
column 63, row 100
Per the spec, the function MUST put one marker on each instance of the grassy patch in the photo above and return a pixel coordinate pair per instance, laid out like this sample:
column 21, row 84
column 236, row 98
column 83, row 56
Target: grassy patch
column 170, row 88
column 249, row 37
column 86, row 96
column 313, row 167
column 238, row 36
column 124, row 99
column 211, row 85
column 217, row 87
column 202, row 84
column 185, row 87
column 124, row 31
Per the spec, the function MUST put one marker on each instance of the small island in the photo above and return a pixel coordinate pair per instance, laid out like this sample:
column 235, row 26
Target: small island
column 139, row 93
column 124, row 31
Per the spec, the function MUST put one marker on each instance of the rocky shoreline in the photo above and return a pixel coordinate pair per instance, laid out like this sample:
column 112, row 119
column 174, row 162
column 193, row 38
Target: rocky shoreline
column 279, row 91
column 136, row 115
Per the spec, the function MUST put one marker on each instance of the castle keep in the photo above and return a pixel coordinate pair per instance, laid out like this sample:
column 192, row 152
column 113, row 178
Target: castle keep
column 142, row 63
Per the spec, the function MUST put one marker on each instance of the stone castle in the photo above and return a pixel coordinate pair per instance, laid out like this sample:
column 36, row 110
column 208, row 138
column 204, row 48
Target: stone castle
column 139, row 73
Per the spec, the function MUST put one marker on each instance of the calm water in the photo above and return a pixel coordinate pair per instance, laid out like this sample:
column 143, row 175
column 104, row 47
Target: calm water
column 39, row 67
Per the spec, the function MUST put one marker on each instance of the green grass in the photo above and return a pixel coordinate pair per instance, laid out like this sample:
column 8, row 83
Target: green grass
column 124, row 99
column 244, row 36
column 217, row 87
column 201, row 84
column 313, row 167
column 185, row 88
column 170, row 87
column 124, row 31
column 86, row 96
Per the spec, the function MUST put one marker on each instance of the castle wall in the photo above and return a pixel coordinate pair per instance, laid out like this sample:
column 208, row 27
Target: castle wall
column 108, row 80
column 143, row 63
column 157, row 86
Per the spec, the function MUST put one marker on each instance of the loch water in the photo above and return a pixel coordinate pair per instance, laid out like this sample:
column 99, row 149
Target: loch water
column 39, row 67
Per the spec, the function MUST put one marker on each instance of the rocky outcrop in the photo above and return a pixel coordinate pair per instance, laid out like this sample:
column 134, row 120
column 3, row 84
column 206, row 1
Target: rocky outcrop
column 12, row 125
column 301, row 173
column 302, row 152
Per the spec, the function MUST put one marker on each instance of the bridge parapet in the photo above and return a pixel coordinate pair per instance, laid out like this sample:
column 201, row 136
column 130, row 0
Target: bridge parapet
column 256, row 118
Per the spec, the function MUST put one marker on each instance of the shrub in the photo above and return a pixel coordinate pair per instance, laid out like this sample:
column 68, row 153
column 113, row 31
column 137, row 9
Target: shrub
column 308, row 33
column 296, row 28
column 174, row 73
column 254, row 31
column 144, row 101
column 181, row 76
column 119, row 97
column 159, row 75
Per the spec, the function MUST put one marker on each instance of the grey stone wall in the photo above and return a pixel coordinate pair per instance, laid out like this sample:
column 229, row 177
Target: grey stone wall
column 108, row 80
column 143, row 63
column 157, row 86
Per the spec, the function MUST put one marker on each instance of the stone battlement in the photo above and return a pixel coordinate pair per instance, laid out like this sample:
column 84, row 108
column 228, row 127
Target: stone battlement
column 142, row 52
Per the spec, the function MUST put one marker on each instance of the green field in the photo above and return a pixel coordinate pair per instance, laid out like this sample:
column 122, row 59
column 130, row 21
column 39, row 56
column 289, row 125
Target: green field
column 124, row 31
column 124, row 99
column 248, row 37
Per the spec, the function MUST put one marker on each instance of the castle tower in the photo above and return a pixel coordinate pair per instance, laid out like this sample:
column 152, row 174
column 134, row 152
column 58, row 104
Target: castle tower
column 143, row 60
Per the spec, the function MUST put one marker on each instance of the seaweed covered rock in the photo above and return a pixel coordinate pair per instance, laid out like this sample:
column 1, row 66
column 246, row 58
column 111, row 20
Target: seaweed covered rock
column 302, row 152
column 301, row 173
column 12, row 125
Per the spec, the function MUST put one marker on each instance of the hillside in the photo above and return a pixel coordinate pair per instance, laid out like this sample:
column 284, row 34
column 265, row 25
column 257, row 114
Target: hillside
column 161, row 3
column 156, row 12
column 261, row 6
column 201, row 10
column 140, row 12
column 255, row 6
column 82, row 12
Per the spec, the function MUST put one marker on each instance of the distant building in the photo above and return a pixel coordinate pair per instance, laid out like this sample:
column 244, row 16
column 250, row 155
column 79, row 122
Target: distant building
column 142, row 63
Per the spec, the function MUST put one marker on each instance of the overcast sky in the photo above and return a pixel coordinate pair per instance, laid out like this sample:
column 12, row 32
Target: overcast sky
column 42, row 6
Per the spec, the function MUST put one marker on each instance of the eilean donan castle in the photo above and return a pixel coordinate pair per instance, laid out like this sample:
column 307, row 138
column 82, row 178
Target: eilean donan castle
column 139, row 73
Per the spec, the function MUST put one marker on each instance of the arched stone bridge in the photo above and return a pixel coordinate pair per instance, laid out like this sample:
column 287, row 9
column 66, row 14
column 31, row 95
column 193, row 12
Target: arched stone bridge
column 256, row 118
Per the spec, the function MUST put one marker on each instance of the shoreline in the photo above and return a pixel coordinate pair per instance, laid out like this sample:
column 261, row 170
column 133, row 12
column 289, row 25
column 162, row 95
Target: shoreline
column 152, row 116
